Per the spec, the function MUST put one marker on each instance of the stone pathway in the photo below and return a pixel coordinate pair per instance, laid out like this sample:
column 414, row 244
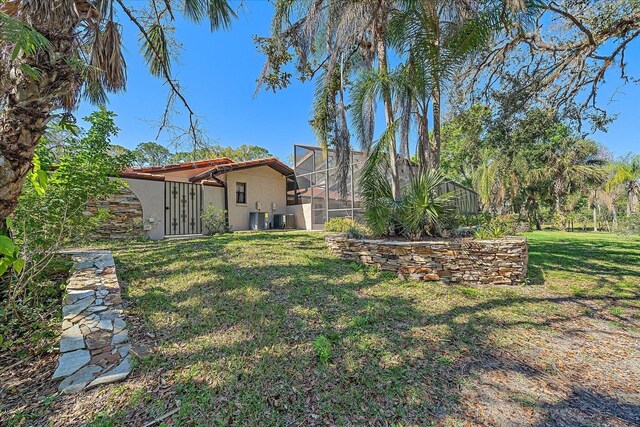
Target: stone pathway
column 94, row 342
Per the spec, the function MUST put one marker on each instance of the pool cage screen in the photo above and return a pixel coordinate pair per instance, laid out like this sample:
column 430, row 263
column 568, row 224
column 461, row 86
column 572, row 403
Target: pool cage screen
column 315, row 183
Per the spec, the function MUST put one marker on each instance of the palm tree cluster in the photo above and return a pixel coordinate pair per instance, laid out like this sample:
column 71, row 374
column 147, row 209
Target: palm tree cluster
column 54, row 52
column 400, row 53
column 348, row 47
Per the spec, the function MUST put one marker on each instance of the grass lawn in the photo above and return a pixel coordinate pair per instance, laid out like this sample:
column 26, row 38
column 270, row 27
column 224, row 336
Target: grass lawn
column 271, row 329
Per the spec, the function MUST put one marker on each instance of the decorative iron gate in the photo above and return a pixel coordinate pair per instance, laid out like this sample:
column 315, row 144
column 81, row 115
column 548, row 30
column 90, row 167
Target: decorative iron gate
column 182, row 208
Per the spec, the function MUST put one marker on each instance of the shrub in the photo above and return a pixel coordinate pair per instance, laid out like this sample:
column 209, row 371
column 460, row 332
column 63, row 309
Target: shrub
column 417, row 211
column 495, row 228
column 214, row 220
column 322, row 347
column 421, row 208
column 339, row 225
column 70, row 169
column 560, row 221
column 351, row 228
column 52, row 209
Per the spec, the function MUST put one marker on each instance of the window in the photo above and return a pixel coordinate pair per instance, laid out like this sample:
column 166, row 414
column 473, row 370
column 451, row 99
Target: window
column 241, row 192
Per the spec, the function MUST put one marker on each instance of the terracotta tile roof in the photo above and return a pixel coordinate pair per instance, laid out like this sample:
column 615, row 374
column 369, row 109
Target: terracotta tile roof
column 208, row 177
column 141, row 175
column 183, row 166
column 272, row 162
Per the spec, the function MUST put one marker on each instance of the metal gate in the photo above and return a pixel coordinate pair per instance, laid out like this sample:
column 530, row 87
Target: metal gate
column 182, row 208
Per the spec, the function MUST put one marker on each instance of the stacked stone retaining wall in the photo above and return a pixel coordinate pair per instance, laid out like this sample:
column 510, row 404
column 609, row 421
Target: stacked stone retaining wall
column 125, row 219
column 468, row 261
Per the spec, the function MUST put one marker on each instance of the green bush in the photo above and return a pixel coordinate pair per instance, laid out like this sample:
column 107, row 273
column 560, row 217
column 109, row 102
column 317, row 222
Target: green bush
column 214, row 220
column 419, row 209
column 69, row 171
column 339, row 225
column 351, row 228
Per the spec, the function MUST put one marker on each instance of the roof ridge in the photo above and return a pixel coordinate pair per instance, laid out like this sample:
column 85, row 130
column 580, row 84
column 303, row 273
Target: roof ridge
column 183, row 165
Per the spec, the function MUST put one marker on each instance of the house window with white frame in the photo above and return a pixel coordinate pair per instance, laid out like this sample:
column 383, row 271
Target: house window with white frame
column 241, row 192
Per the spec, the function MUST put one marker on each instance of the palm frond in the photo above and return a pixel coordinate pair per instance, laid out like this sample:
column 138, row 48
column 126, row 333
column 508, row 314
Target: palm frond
column 155, row 49
column 218, row 12
column 24, row 37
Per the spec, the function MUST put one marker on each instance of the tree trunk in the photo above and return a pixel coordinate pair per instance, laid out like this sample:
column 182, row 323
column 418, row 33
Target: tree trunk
column 27, row 104
column 424, row 145
column 389, row 117
column 435, row 158
column 632, row 199
column 22, row 122
column 615, row 217
column 595, row 219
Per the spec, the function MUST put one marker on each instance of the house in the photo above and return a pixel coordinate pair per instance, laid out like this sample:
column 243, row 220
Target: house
column 162, row 201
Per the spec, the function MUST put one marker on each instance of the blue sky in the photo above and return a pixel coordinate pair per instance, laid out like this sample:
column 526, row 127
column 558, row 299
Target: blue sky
column 218, row 71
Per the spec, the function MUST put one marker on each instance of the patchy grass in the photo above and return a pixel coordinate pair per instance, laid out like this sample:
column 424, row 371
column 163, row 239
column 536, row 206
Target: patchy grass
column 270, row 329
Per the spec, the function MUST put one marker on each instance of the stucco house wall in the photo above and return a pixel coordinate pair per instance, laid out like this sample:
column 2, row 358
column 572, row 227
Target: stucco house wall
column 263, row 185
column 151, row 195
column 302, row 213
column 213, row 196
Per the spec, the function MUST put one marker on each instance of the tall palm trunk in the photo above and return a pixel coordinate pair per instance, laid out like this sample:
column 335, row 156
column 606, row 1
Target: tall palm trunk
column 424, row 145
column 27, row 103
column 632, row 198
column 595, row 219
column 436, row 90
column 615, row 216
column 435, row 158
column 389, row 117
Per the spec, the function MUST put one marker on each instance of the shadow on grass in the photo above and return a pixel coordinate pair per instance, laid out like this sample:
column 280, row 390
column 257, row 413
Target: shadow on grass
column 235, row 318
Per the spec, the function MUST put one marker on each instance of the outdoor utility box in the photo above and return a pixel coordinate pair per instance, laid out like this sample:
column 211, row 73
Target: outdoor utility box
column 258, row 220
column 284, row 221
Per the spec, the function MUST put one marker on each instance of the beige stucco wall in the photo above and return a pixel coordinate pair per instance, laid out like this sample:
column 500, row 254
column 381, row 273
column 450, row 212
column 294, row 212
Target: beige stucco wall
column 151, row 195
column 302, row 214
column 263, row 185
column 213, row 196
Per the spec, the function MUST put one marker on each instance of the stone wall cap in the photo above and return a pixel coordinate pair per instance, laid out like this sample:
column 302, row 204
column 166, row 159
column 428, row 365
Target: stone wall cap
column 441, row 241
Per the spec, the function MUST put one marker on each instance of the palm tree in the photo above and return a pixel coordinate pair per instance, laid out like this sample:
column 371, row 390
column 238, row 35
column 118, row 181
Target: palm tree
column 82, row 56
column 419, row 208
column 438, row 37
column 569, row 164
column 344, row 37
column 627, row 173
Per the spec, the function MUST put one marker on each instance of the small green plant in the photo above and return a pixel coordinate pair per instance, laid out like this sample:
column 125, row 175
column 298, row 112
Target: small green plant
column 616, row 311
column 495, row 228
column 445, row 360
column 322, row 347
column 472, row 292
column 215, row 220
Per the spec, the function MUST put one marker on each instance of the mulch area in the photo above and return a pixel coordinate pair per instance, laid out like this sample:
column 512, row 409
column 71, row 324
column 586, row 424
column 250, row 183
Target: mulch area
column 580, row 371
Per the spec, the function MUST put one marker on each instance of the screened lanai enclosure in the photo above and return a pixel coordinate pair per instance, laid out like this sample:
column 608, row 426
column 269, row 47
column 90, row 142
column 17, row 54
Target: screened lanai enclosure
column 316, row 184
